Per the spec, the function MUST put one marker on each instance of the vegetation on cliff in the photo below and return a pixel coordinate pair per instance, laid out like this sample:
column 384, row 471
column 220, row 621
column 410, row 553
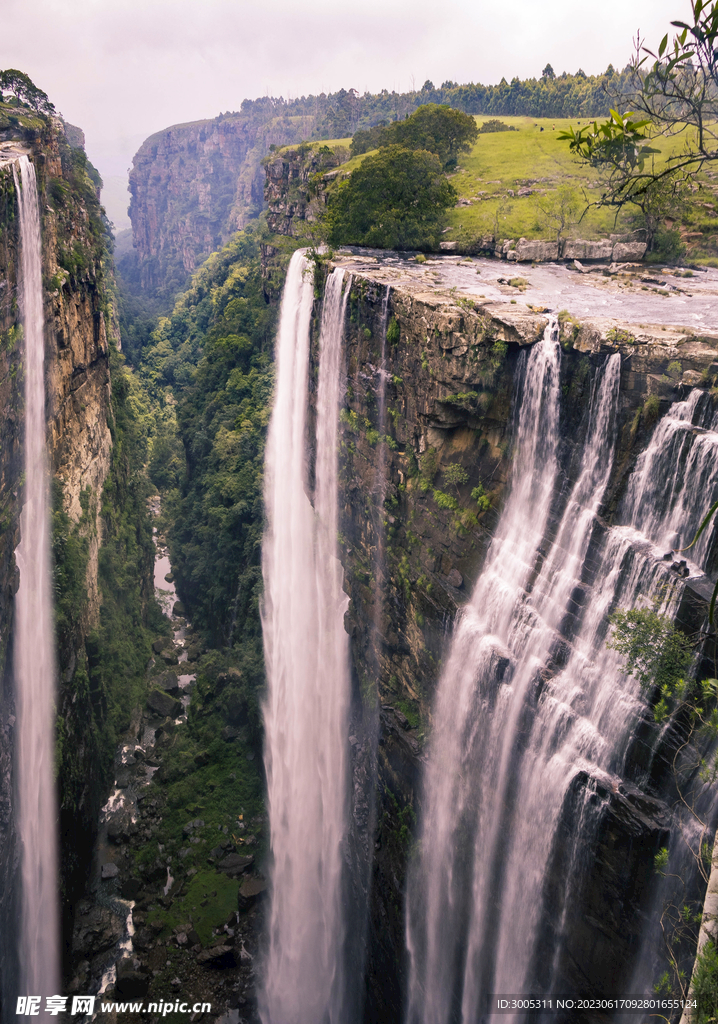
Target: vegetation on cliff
column 393, row 200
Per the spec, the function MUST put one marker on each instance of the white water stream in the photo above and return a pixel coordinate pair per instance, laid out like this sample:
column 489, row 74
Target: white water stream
column 307, row 659
column 532, row 710
column 34, row 635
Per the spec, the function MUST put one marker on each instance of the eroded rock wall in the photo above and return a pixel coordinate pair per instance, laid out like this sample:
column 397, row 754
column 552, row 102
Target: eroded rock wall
column 413, row 535
column 79, row 442
column 193, row 185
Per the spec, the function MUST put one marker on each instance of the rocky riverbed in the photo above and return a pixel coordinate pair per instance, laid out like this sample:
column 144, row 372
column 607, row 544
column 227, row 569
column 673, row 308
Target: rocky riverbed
column 173, row 907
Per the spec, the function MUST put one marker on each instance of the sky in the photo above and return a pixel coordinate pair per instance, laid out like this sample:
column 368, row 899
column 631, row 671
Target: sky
column 123, row 69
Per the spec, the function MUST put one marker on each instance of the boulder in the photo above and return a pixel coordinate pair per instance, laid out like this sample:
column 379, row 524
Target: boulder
column 625, row 252
column 448, row 246
column 536, row 249
column 129, row 889
column 169, row 656
column 234, row 864
column 581, row 249
column 167, row 681
column 131, row 983
column 251, row 890
column 455, row 579
column 178, row 608
column 218, row 957
column 163, row 704
column 109, row 871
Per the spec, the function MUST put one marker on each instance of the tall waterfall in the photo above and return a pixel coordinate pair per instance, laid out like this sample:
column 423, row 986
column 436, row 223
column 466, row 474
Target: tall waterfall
column 34, row 635
column 307, row 658
column 532, row 710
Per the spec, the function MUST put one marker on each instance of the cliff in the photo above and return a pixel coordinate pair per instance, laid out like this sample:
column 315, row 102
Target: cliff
column 413, row 537
column 194, row 184
column 77, row 358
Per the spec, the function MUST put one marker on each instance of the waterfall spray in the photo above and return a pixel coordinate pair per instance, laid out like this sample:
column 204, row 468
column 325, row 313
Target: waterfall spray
column 34, row 632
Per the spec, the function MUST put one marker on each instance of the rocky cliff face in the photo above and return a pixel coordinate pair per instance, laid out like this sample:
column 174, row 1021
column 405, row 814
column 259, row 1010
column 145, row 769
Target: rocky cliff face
column 194, row 184
column 78, row 405
column 413, row 537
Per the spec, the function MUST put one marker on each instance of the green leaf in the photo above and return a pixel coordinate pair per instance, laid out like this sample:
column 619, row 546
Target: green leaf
column 664, row 44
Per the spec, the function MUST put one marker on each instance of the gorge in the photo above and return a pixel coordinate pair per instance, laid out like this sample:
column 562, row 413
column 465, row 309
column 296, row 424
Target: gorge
column 404, row 500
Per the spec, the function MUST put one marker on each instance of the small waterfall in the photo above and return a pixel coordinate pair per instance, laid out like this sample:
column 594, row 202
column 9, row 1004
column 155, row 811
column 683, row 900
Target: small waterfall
column 307, row 658
column 34, row 635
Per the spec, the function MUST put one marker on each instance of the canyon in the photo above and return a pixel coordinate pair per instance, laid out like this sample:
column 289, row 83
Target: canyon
column 412, row 445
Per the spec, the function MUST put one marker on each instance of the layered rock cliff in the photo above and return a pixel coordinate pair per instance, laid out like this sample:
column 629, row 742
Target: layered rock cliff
column 194, row 184
column 76, row 311
column 413, row 534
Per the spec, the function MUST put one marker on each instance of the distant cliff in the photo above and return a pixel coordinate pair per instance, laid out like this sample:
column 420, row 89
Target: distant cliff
column 195, row 184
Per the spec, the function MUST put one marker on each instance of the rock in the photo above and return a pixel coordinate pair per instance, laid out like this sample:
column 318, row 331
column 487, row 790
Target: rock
column 159, row 645
column 110, row 871
column 191, row 825
column 193, row 652
column 624, row 252
column 143, row 938
column 169, row 657
column 250, row 891
column 536, row 249
column 448, row 246
column 229, row 733
column 131, row 983
column 202, row 758
column 234, row 864
column 181, row 938
column 96, row 929
column 169, row 578
column 218, row 956
column 178, row 609
column 163, row 704
column 130, row 888
column 580, row 249
column 455, row 579
column 167, row 681
column 402, row 719
column 193, row 938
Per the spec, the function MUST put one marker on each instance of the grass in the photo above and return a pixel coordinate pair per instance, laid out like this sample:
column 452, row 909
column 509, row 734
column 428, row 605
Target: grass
column 501, row 162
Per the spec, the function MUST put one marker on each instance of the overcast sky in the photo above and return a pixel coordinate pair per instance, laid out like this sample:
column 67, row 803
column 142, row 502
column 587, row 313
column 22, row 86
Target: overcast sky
column 123, row 69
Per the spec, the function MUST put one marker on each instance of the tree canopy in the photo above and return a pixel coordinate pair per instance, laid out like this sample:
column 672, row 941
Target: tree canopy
column 25, row 91
column 433, row 127
column 393, row 200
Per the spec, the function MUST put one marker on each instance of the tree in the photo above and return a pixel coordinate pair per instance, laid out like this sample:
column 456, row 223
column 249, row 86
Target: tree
column 25, row 90
column 437, row 128
column 675, row 95
column 394, row 200
column 558, row 209
column 548, row 72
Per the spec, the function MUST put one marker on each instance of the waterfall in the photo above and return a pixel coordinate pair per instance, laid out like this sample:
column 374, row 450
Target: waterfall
column 307, row 659
column 533, row 714
column 34, row 635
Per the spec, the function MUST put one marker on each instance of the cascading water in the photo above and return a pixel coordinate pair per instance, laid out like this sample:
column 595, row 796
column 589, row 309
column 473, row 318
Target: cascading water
column 306, row 647
column 34, row 632
column 532, row 710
